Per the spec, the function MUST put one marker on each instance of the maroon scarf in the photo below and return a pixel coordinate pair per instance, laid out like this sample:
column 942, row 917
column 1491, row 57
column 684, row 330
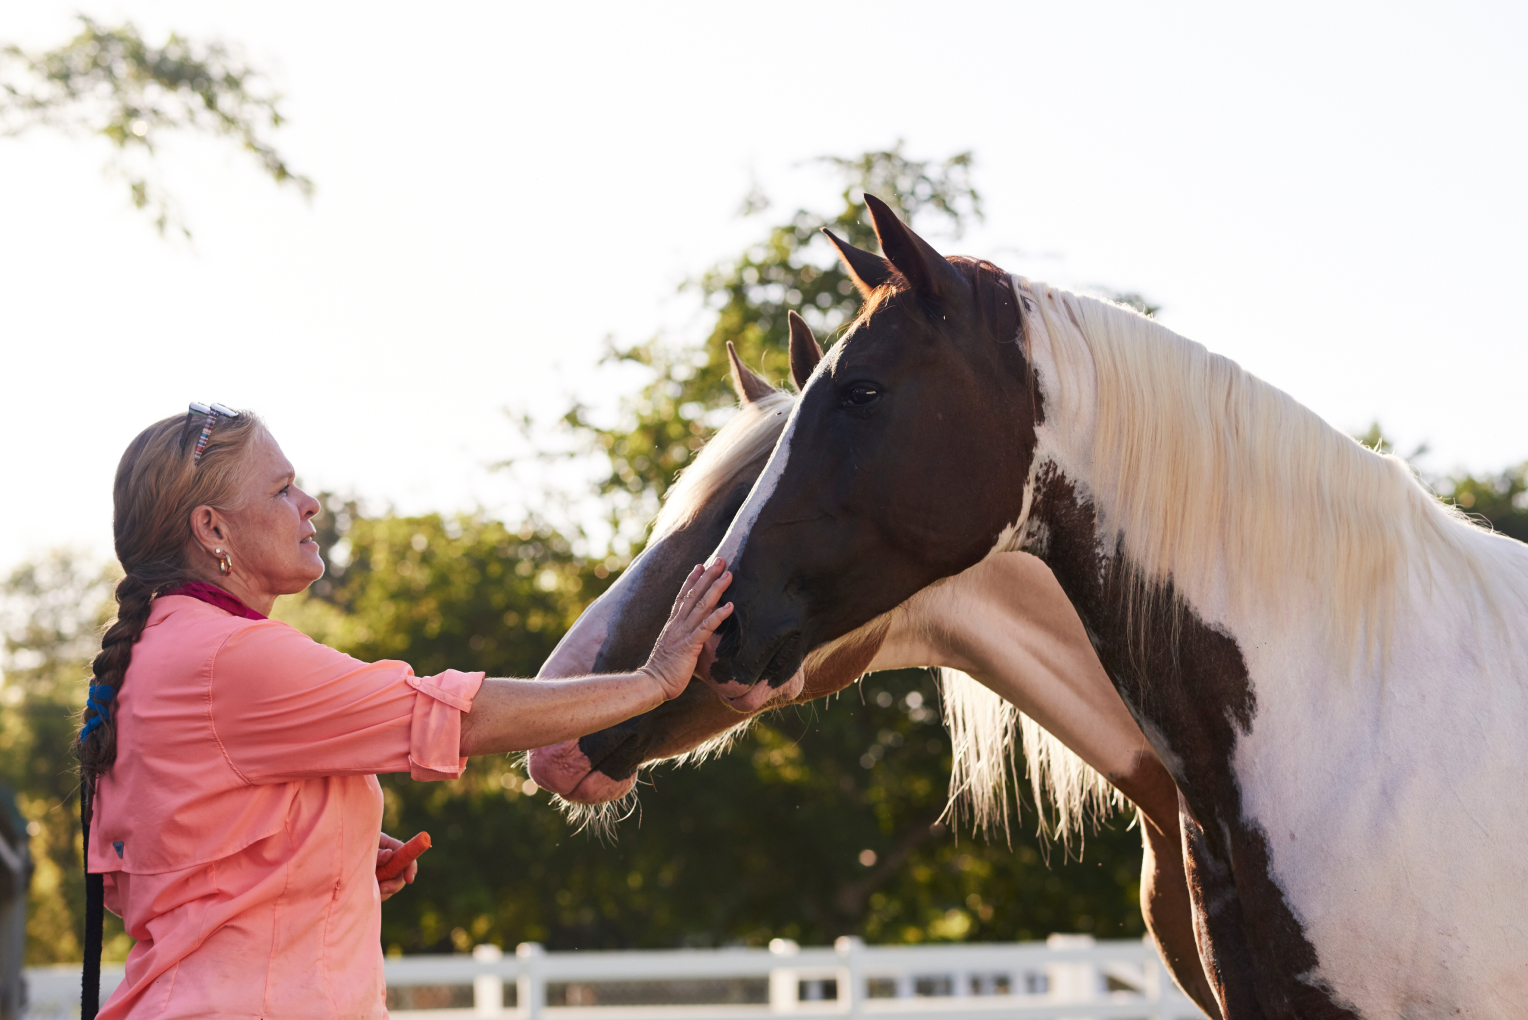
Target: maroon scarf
column 215, row 596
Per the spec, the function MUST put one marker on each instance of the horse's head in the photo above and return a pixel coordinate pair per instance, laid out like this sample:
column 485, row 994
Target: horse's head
column 617, row 632
column 903, row 462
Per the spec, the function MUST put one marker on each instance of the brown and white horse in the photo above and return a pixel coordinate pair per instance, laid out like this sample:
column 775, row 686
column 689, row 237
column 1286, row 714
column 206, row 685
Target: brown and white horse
column 1004, row 622
column 1332, row 665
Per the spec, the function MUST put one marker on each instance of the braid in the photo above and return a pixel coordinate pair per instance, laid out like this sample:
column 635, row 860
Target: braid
column 135, row 596
column 158, row 484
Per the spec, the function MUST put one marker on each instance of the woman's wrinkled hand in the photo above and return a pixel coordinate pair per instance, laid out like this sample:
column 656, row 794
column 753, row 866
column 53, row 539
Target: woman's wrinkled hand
column 693, row 620
column 387, row 849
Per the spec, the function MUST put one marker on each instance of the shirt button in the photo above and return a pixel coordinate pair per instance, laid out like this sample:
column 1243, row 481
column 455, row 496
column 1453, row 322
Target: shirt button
column 413, row 681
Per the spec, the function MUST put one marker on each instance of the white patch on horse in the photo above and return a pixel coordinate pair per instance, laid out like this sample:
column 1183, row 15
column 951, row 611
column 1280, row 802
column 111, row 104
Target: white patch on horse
column 733, row 542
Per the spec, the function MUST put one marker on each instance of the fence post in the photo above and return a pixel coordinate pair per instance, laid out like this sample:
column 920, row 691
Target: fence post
column 851, row 980
column 782, row 980
column 530, row 987
column 1072, row 981
column 487, row 989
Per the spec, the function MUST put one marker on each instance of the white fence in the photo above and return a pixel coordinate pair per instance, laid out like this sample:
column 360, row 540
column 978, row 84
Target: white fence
column 1068, row 977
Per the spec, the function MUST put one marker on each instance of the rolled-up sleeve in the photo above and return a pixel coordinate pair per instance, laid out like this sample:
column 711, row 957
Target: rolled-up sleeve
column 285, row 707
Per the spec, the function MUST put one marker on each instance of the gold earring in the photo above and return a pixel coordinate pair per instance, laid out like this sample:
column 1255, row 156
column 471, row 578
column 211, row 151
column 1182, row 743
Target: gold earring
column 225, row 562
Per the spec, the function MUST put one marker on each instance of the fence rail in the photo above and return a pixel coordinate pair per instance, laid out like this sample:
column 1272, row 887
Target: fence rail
column 1068, row 977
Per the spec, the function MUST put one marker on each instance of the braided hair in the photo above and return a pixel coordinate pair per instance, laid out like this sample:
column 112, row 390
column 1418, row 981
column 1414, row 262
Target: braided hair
column 157, row 487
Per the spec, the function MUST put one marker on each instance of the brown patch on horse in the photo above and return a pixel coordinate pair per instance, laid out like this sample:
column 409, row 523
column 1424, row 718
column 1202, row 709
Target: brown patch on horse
column 843, row 662
column 1166, row 902
column 805, row 352
column 1189, row 681
column 748, row 384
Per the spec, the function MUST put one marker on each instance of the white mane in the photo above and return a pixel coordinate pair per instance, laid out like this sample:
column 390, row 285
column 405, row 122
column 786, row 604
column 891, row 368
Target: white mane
column 982, row 727
column 747, row 439
column 1198, row 464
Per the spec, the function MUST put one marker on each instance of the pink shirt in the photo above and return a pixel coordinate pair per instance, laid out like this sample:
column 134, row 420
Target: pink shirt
column 238, row 827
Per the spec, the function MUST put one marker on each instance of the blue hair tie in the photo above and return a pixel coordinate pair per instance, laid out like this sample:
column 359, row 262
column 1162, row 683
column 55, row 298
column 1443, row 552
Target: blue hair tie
column 100, row 699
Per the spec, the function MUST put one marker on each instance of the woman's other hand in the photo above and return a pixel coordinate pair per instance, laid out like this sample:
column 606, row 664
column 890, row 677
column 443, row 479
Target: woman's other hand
column 387, row 847
column 694, row 619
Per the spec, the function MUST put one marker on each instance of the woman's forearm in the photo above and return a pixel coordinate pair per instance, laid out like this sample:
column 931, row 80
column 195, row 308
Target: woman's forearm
column 518, row 715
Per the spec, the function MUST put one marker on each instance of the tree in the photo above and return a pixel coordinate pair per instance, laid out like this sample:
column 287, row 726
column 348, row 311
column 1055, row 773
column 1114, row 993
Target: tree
column 1499, row 500
column 110, row 83
column 52, row 612
column 791, row 267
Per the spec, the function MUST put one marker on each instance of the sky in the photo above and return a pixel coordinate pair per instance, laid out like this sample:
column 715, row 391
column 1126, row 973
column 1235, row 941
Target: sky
column 1332, row 195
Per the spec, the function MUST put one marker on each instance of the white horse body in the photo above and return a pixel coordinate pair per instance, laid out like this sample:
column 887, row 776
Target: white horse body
column 1396, row 803
column 1390, row 784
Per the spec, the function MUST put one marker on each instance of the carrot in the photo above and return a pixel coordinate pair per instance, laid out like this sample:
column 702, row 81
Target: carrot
column 402, row 857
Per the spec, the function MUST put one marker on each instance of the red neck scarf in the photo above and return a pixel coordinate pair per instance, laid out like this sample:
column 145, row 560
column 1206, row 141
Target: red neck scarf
column 215, row 596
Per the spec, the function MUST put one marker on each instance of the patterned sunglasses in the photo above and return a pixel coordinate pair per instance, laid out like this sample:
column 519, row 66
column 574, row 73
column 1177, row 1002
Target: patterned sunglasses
column 213, row 412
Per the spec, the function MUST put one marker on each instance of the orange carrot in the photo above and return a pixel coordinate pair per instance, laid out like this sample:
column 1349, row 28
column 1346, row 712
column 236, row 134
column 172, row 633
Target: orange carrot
column 402, row 857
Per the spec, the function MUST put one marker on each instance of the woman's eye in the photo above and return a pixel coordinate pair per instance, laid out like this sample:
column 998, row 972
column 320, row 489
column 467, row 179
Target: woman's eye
column 861, row 394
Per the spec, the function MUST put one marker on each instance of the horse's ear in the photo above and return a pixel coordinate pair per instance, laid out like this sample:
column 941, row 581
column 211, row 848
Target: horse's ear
column 925, row 269
column 750, row 386
column 866, row 270
column 805, row 353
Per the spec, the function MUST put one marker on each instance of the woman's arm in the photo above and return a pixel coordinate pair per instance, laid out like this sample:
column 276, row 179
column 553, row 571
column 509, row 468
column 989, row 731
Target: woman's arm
column 518, row 715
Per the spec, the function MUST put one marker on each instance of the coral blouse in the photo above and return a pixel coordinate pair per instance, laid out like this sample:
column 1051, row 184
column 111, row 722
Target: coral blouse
column 238, row 828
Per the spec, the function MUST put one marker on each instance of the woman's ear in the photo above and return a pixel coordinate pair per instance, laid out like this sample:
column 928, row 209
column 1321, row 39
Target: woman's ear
column 208, row 528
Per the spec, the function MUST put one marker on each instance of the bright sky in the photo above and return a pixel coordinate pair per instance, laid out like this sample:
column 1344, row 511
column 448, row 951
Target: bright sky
column 1333, row 195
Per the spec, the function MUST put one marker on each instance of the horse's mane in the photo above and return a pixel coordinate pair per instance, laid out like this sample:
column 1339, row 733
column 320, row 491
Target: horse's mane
column 747, row 439
column 1195, row 458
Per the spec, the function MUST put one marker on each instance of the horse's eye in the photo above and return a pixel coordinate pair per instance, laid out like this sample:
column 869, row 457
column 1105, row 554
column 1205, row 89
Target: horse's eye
column 862, row 394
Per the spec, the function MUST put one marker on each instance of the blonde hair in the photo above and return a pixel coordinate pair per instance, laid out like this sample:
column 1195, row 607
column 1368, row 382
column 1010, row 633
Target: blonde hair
column 1200, row 466
column 749, row 438
column 157, row 486
column 983, row 727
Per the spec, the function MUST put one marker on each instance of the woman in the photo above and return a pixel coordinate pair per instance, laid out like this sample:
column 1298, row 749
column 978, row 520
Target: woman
column 236, row 812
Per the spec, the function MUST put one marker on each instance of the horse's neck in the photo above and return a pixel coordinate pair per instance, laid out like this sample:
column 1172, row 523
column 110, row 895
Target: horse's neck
column 1067, row 522
column 1006, row 623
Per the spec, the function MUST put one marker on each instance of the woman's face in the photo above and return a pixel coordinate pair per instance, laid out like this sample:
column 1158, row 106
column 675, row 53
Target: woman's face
column 270, row 533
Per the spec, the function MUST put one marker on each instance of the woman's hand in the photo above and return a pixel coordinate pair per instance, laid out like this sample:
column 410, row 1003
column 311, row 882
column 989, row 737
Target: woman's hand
column 517, row 715
column 693, row 620
column 387, row 848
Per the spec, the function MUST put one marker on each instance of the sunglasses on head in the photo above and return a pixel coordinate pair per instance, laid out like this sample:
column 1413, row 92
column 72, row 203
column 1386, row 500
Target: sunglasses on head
column 213, row 412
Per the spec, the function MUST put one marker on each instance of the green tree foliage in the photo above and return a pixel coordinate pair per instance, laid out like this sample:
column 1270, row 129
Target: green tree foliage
column 1500, row 500
column 791, row 267
column 110, row 83
column 52, row 613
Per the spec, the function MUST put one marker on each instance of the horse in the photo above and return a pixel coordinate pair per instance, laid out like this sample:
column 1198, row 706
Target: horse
column 1004, row 622
column 1329, row 661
